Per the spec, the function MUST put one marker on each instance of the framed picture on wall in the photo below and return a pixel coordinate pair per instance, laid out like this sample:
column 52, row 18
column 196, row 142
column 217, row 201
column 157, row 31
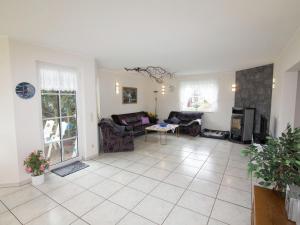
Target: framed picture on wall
column 129, row 95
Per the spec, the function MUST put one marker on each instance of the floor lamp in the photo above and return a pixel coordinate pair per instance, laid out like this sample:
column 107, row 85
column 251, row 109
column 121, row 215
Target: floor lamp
column 155, row 99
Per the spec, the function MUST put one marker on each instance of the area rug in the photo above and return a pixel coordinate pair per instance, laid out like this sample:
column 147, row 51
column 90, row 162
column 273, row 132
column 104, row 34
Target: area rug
column 69, row 169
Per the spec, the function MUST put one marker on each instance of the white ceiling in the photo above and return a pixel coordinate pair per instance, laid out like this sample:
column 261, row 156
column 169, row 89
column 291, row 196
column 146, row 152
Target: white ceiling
column 185, row 36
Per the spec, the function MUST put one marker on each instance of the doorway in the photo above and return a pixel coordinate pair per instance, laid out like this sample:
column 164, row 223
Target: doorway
column 59, row 113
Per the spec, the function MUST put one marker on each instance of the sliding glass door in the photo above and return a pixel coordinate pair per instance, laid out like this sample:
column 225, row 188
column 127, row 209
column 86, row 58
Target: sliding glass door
column 59, row 114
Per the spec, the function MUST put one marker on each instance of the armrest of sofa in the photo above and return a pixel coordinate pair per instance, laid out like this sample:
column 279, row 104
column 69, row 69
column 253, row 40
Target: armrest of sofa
column 192, row 122
column 118, row 130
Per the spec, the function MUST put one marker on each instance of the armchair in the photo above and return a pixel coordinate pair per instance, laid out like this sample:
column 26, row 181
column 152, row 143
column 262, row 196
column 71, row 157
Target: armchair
column 115, row 137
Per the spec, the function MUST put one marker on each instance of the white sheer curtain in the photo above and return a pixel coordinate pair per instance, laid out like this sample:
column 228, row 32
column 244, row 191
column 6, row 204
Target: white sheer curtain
column 199, row 96
column 54, row 78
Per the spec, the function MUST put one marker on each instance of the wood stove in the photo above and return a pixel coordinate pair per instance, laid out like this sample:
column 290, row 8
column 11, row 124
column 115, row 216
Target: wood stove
column 242, row 124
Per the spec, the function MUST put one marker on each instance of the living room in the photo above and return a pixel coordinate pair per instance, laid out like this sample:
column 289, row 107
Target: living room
column 145, row 113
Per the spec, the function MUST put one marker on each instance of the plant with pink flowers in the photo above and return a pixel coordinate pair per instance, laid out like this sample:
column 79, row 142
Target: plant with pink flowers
column 35, row 163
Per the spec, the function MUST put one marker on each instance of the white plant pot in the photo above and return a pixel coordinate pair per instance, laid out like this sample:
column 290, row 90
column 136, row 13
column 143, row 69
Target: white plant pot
column 292, row 203
column 37, row 180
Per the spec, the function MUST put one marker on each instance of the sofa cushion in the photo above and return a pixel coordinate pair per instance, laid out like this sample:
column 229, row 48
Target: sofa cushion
column 175, row 120
column 136, row 124
column 188, row 116
column 118, row 128
column 145, row 120
column 131, row 119
column 184, row 117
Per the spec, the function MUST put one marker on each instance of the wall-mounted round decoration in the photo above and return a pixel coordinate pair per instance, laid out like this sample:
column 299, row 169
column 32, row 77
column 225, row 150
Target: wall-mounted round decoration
column 25, row 90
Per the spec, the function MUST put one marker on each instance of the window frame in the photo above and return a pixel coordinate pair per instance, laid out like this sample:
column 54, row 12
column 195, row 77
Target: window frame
column 59, row 93
column 78, row 136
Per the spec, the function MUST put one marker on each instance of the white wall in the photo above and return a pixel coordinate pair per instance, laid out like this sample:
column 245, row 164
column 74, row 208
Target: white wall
column 28, row 125
column 284, row 94
column 111, row 103
column 9, row 168
column 297, row 108
column 220, row 119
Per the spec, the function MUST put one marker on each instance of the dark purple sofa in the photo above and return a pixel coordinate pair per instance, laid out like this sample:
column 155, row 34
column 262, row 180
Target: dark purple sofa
column 115, row 138
column 189, row 122
column 133, row 121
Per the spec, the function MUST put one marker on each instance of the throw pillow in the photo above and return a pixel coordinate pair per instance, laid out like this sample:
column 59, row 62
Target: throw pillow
column 175, row 120
column 145, row 120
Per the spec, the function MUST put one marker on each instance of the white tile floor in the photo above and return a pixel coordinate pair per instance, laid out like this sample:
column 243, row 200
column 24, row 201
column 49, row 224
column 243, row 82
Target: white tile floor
column 189, row 181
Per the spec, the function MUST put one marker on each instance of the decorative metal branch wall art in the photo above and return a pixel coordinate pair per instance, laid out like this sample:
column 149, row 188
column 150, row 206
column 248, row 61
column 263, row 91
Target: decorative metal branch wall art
column 157, row 73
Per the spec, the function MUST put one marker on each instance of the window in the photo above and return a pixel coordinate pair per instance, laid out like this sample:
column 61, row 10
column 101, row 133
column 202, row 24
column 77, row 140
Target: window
column 59, row 112
column 199, row 96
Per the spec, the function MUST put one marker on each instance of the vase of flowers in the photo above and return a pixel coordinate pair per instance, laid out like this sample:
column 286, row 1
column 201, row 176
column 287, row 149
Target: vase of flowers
column 36, row 164
column 152, row 117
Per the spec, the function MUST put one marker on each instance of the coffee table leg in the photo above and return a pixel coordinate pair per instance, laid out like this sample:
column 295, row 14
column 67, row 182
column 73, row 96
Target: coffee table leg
column 145, row 135
column 162, row 133
column 166, row 137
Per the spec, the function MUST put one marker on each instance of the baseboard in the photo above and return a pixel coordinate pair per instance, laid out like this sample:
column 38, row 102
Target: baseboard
column 21, row 183
column 90, row 157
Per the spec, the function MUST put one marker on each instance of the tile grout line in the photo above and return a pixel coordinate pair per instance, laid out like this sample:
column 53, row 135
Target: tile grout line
column 223, row 174
column 146, row 194
column 180, row 164
column 58, row 204
column 220, row 186
column 186, row 189
column 172, row 185
column 107, row 198
column 161, row 181
column 8, row 210
column 139, row 175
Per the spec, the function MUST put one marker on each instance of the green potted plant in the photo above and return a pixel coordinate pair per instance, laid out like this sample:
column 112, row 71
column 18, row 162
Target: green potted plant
column 36, row 164
column 277, row 163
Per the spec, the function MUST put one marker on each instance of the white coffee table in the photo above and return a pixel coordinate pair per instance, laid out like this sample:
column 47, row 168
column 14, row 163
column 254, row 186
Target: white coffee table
column 162, row 131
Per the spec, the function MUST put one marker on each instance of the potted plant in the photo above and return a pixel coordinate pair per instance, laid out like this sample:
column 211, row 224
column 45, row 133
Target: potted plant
column 36, row 164
column 277, row 163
